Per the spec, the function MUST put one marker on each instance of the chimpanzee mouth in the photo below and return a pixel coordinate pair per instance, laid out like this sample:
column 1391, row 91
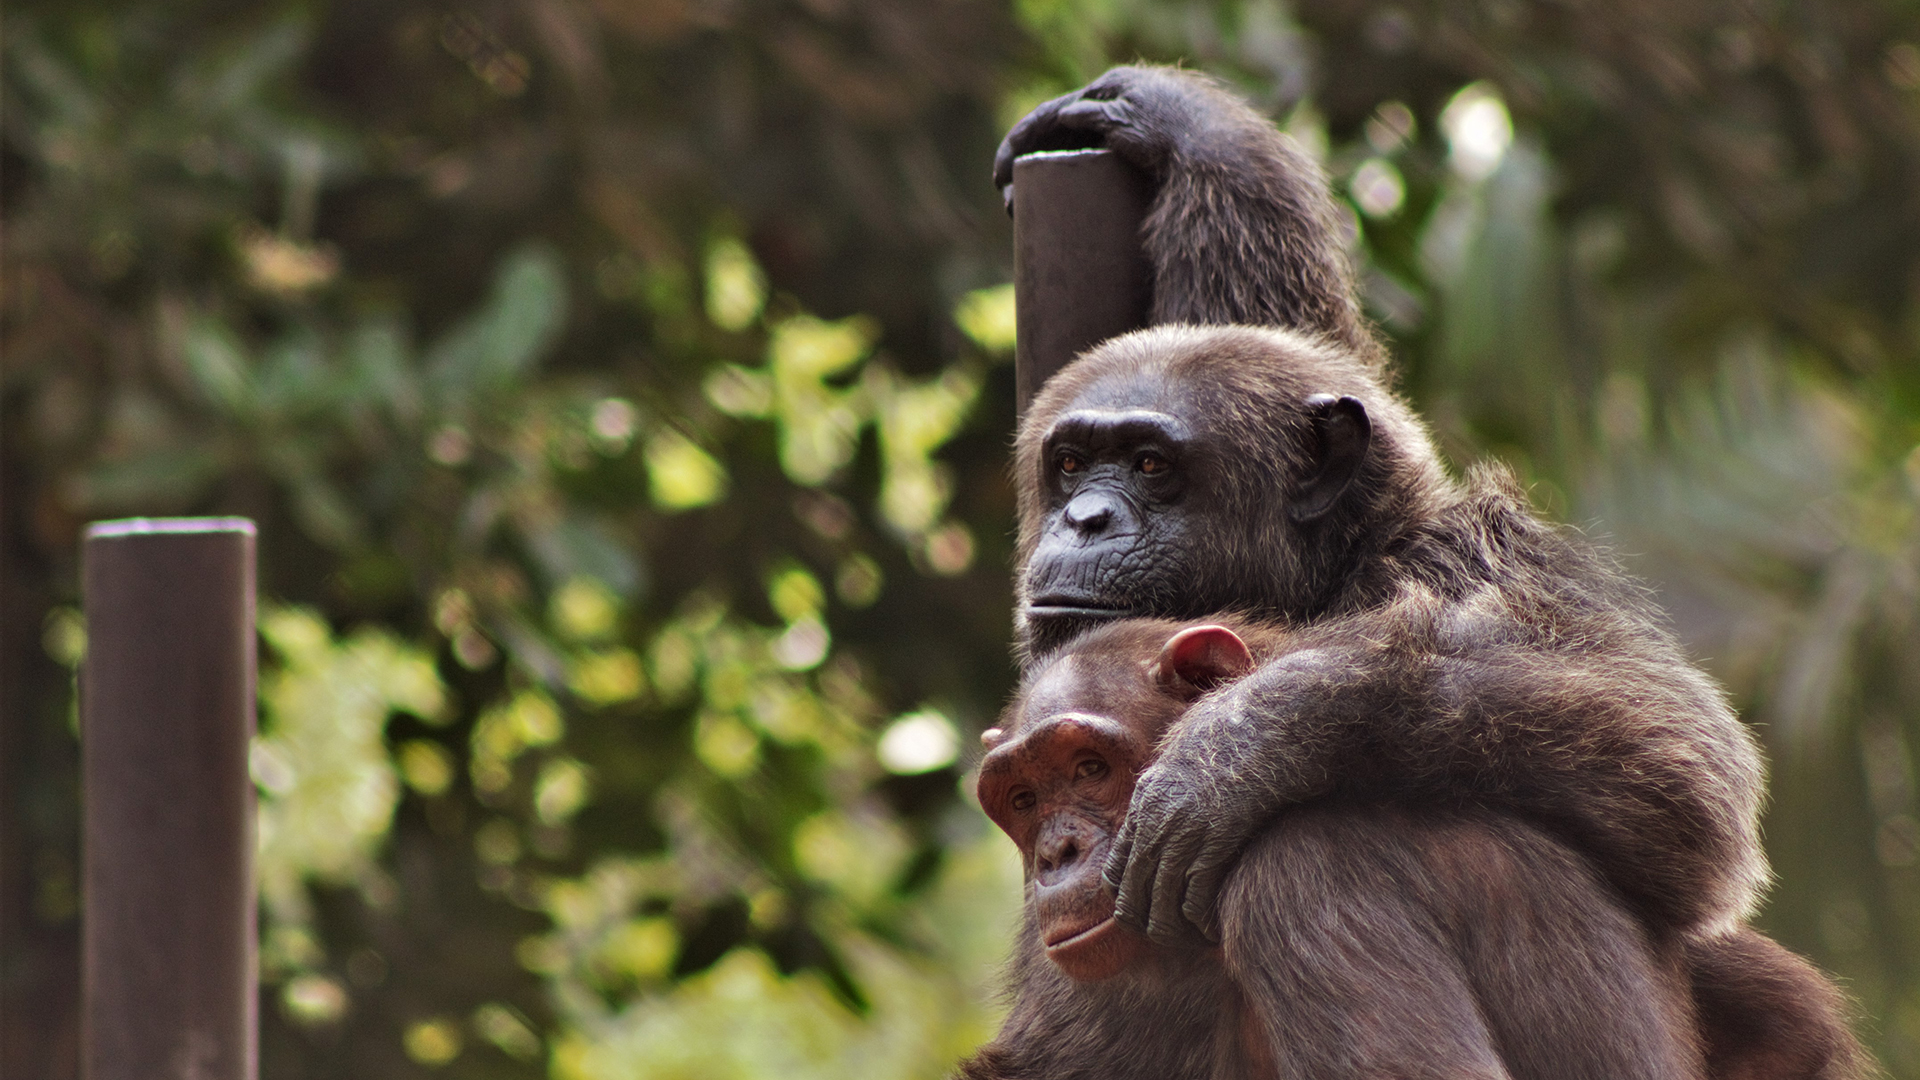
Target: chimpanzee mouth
column 1068, row 938
column 1061, row 606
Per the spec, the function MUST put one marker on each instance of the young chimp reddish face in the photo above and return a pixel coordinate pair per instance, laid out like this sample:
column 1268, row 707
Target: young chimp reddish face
column 1060, row 771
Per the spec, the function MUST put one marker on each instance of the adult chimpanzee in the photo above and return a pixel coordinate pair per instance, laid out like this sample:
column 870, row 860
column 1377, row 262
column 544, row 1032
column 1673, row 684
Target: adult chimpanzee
column 1358, row 938
column 1493, row 660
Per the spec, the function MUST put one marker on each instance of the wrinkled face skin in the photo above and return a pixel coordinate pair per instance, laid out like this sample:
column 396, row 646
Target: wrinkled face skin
column 1114, row 479
column 1061, row 768
column 1057, row 779
column 1183, row 471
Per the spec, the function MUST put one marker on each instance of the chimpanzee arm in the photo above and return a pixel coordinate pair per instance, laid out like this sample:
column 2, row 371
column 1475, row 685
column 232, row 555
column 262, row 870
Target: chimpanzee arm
column 1242, row 228
column 1453, row 943
column 1636, row 761
column 1765, row 1012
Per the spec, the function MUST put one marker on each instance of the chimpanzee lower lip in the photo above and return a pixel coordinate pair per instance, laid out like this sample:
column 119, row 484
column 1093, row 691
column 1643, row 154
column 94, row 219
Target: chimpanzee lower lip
column 1051, row 609
column 1081, row 935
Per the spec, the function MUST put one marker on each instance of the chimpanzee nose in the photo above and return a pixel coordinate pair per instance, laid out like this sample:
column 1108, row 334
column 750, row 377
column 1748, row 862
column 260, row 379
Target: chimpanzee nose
column 1056, row 853
column 1063, row 854
column 1090, row 512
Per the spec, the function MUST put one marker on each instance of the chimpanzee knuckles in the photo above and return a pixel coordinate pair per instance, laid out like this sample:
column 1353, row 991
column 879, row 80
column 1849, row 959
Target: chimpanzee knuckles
column 1166, row 883
column 1199, row 658
column 1201, row 907
column 1345, row 434
column 1135, row 112
column 1068, row 122
column 1054, row 125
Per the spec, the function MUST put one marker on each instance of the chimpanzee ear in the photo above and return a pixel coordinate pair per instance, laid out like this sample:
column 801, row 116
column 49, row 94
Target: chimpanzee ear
column 1199, row 658
column 1342, row 433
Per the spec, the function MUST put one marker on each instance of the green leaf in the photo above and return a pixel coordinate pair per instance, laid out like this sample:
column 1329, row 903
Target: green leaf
column 218, row 364
column 156, row 481
column 294, row 374
column 986, row 316
column 508, row 336
column 736, row 287
column 681, row 476
column 380, row 372
column 573, row 547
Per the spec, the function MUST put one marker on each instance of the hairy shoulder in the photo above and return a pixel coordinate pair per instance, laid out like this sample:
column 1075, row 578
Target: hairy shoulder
column 1503, row 573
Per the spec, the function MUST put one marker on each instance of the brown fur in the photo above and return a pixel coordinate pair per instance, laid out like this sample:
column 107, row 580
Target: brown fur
column 1450, row 651
column 1243, row 229
column 1768, row 1014
column 1457, row 646
column 1369, row 938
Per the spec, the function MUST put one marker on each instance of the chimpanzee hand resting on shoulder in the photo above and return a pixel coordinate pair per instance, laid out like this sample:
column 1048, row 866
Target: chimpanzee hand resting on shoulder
column 1242, row 230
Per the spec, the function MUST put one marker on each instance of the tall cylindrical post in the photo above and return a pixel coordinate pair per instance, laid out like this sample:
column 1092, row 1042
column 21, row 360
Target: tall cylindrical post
column 1080, row 275
column 166, row 715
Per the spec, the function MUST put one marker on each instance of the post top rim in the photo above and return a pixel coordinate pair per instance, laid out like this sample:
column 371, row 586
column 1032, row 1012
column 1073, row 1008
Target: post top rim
column 1064, row 155
column 168, row 526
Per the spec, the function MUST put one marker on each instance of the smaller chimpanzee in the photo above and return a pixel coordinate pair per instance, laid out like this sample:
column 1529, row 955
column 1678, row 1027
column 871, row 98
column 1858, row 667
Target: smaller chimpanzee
column 1357, row 937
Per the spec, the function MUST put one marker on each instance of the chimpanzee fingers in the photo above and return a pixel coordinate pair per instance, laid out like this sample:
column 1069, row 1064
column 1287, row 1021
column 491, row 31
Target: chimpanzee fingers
column 1021, row 140
column 1119, row 854
column 1133, row 902
column 1069, row 122
column 1088, row 114
column 1165, row 922
column 1202, row 904
column 1133, row 897
column 1140, row 113
column 1003, row 171
column 1041, row 129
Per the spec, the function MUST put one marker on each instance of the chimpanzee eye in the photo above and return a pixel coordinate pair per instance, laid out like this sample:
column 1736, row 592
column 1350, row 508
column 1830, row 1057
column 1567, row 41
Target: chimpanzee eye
column 1071, row 463
column 1152, row 464
column 1022, row 800
column 1090, row 769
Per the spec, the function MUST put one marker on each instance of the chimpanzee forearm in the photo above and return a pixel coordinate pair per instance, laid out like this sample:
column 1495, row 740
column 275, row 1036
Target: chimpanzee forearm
column 1640, row 766
column 1225, row 250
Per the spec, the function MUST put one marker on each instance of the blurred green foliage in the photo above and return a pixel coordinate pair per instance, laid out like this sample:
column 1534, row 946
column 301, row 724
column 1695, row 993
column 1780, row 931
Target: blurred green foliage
column 621, row 390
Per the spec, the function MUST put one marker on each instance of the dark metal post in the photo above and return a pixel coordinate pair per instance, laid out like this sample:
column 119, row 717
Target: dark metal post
column 1080, row 275
column 166, row 714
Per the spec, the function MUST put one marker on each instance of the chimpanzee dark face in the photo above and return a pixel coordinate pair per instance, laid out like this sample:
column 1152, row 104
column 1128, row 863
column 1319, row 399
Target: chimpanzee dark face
column 1116, row 481
column 1154, row 508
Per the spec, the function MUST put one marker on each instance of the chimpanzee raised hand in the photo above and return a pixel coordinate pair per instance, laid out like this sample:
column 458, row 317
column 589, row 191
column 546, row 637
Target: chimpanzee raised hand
column 1242, row 231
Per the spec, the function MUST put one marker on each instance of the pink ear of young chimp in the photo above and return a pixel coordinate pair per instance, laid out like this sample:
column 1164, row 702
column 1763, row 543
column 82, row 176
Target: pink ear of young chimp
column 1199, row 658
